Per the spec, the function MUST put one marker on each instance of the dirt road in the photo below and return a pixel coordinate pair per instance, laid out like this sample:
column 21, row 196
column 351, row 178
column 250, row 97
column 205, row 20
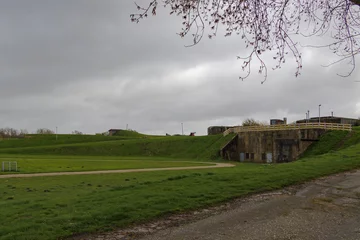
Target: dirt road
column 325, row 209
column 215, row 165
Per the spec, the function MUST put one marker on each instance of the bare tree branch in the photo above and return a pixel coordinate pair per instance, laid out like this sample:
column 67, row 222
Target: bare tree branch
column 269, row 26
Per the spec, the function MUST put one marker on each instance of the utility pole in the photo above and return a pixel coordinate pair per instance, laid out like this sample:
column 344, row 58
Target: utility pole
column 182, row 128
column 56, row 134
column 319, row 112
column 308, row 116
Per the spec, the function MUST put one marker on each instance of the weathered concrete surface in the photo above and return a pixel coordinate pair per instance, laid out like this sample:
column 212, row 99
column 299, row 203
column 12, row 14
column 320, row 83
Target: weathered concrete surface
column 217, row 129
column 325, row 209
column 270, row 146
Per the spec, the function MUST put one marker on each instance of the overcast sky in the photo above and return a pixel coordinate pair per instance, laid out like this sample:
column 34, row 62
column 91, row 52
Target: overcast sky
column 82, row 65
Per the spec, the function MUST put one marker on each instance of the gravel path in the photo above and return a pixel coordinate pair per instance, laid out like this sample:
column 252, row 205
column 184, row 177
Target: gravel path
column 215, row 165
column 324, row 209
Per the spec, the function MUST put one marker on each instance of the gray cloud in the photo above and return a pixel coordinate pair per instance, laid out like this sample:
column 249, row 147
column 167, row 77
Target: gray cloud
column 83, row 65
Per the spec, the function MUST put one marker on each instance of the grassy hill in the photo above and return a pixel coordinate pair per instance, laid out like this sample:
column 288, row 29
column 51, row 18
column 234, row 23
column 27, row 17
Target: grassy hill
column 203, row 147
column 133, row 144
column 352, row 139
column 127, row 133
column 36, row 140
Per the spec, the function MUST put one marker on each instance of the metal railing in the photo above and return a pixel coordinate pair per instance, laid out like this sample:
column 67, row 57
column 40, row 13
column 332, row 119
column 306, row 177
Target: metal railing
column 279, row 127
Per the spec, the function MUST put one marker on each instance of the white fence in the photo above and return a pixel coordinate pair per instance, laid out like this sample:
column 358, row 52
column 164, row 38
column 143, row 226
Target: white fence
column 279, row 127
column 9, row 166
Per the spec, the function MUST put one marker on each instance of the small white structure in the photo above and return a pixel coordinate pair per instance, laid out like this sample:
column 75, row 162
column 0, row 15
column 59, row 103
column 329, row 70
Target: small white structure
column 9, row 166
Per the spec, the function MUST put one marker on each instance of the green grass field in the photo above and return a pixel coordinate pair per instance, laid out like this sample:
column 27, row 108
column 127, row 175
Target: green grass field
column 42, row 165
column 57, row 207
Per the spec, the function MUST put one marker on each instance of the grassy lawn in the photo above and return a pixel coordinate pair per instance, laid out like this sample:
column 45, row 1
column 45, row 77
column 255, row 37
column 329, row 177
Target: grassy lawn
column 56, row 207
column 61, row 164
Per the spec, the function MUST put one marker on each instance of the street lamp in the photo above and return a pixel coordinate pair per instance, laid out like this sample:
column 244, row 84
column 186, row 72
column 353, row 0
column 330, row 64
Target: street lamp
column 308, row 116
column 319, row 112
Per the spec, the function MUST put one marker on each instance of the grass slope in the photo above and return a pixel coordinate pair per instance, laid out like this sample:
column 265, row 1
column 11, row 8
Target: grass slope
column 203, row 147
column 127, row 133
column 333, row 140
column 353, row 139
column 56, row 207
column 38, row 140
column 326, row 143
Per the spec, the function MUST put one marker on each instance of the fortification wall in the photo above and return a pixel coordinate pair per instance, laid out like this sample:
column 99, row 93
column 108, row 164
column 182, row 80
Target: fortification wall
column 270, row 146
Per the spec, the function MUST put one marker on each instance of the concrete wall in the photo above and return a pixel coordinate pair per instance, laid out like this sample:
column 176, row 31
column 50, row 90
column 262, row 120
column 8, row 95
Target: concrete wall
column 113, row 131
column 229, row 152
column 270, row 146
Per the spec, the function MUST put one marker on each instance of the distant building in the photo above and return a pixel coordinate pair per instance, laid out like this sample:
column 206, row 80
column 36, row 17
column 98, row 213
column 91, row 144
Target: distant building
column 220, row 129
column 278, row 121
column 113, row 131
column 330, row 119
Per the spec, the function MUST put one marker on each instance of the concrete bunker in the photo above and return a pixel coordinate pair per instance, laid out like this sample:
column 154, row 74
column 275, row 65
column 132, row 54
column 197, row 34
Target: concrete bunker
column 270, row 146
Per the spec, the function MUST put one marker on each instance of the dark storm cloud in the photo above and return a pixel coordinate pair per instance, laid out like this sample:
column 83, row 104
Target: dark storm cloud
column 83, row 65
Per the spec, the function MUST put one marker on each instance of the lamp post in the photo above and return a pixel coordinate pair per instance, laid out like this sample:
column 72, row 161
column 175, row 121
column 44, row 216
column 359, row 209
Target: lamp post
column 308, row 116
column 319, row 112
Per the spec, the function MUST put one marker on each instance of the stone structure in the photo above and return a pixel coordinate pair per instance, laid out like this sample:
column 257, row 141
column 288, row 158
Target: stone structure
column 270, row 146
column 217, row 129
column 113, row 131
